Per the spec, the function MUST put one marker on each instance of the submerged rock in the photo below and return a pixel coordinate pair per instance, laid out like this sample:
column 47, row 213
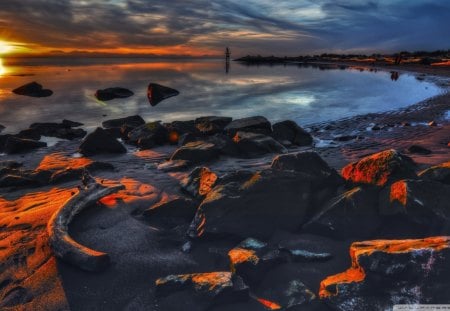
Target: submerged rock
column 157, row 93
column 148, row 135
column 380, row 168
column 288, row 132
column 112, row 93
column 256, row 124
column 99, row 142
column 33, row 89
column 63, row 130
column 388, row 272
column 418, row 150
column 199, row 291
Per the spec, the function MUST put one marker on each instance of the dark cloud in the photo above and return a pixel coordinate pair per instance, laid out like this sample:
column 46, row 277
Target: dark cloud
column 251, row 26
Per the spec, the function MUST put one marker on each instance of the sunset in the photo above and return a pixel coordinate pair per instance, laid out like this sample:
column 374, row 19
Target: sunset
column 224, row 155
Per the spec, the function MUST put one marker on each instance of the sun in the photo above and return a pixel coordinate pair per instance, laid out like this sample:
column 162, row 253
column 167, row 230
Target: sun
column 5, row 47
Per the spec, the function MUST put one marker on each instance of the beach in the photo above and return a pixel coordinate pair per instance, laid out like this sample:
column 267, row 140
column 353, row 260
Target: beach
column 144, row 248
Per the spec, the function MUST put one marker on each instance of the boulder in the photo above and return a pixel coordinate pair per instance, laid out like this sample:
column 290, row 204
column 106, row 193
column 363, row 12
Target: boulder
column 211, row 124
column 252, row 259
column 196, row 152
column 310, row 163
column 380, row 168
column 157, row 93
column 99, row 142
column 186, row 138
column 254, row 204
column 254, row 145
column 112, row 93
column 132, row 121
column 388, row 272
column 422, row 202
column 353, row 214
column 62, row 130
column 288, row 132
column 199, row 182
column 440, row 173
column 224, row 144
column 199, row 291
column 256, row 124
column 148, row 135
column 69, row 123
column 33, row 89
column 20, row 145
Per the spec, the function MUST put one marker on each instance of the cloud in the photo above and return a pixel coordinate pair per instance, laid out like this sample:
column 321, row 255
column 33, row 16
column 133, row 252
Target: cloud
column 207, row 26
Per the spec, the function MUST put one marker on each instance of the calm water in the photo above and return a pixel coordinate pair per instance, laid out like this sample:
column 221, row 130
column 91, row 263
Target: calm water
column 306, row 95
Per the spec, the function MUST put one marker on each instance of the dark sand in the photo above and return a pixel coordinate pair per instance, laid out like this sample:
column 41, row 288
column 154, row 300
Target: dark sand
column 32, row 279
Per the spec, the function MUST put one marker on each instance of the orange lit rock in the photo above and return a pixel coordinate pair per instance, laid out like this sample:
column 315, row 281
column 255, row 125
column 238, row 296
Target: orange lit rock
column 439, row 173
column 134, row 191
column 200, row 291
column 380, row 168
column 270, row 305
column 199, row 182
column 387, row 271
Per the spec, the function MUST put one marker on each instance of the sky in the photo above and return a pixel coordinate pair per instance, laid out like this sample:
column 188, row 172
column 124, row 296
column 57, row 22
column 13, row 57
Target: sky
column 206, row 27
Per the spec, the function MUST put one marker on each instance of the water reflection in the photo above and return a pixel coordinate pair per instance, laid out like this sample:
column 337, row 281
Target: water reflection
column 304, row 94
column 2, row 68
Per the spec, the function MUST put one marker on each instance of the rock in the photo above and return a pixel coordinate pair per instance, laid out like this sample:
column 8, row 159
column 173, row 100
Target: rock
column 10, row 180
column 289, row 131
column 2, row 127
column 380, row 168
column 440, row 173
column 345, row 138
column 157, row 93
column 68, row 123
column 132, row 121
column 148, row 135
column 301, row 255
column 352, row 214
column 186, row 138
column 289, row 295
column 10, row 164
column 112, row 93
column 224, row 144
column 432, row 123
column 256, row 124
column 33, row 89
column 59, row 130
column 199, row 182
column 171, row 211
column 20, row 145
column 196, row 152
column 418, row 149
column 252, row 259
column 310, row 163
column 211, row 124
column 253, row 145
column 421, row 202
column 388, row 272
column 199, row 291
column 99, row 142
column 29, row 134
column 173, row 165
column 254, row 204
column 183, row 127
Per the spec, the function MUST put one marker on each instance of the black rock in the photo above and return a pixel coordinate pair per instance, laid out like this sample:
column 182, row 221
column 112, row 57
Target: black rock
column 173, row 165
column 157, row 93
column 112, row 93
column 256, row 124
column 19, row 145
column 418, row 150
column 60, row 130
column 2, row 127
column 254, row 145
column 196, row 152
column 69, row 123
column 199, row 182
column 132, row 121
column 211, row 124
column 171, row 212
column 289, row 131
column 148, row 135
column 99, row 142
column 33, row 89
column 440, row 173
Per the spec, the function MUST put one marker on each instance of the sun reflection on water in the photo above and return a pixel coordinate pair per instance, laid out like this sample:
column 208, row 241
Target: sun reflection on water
column 2, row 68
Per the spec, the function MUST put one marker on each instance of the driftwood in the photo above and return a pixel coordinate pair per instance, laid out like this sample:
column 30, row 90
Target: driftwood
column 62, row 245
